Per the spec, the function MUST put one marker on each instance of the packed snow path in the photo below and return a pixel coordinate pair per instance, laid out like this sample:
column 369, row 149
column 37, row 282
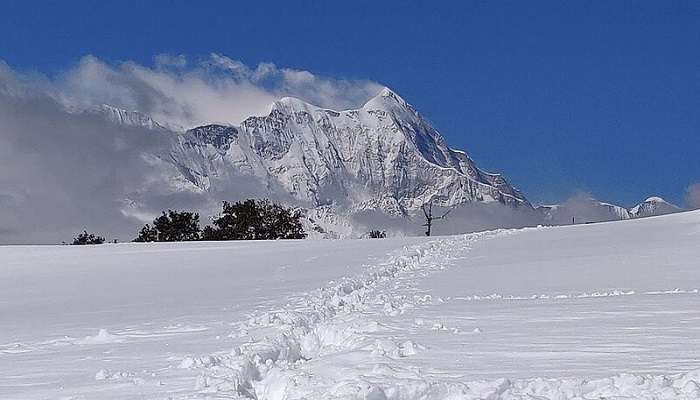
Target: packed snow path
column 584, row 312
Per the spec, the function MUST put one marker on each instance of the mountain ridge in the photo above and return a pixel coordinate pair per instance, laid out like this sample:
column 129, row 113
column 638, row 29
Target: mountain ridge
column 591, row 210
column 382, row 150
column 383, row 156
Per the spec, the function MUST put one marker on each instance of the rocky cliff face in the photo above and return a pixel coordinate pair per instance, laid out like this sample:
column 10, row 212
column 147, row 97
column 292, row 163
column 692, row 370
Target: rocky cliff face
column 384, row 156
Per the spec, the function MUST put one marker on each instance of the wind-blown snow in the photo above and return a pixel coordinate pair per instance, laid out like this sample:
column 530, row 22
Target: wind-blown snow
column 590, row 311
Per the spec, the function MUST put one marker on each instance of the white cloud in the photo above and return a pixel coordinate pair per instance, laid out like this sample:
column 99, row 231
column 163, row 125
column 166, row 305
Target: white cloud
column 170, row 61
column 64, row 171
column 177, row 92
column 582, row 207
column 692, row 196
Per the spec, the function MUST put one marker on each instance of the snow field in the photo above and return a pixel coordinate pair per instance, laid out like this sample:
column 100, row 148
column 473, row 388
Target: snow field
column 603, row 311
column 325, row 324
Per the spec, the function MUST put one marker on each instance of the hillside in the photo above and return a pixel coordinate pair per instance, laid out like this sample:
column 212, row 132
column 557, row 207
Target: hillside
column 586, row 311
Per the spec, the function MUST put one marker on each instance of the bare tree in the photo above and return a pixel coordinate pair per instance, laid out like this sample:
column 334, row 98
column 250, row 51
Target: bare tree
column 429, row 217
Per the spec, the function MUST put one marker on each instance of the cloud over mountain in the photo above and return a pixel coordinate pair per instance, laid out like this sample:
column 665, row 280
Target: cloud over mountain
column 66, row 167
column 103, row 147
column 185, row 93
column 692, row 196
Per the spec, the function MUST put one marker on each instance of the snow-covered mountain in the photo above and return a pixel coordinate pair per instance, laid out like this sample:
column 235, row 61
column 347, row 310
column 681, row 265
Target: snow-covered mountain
column 126, row 118
column 384, row 156
column 341, row 165
column 615, row 211
column 581, row 210
column 653, row 206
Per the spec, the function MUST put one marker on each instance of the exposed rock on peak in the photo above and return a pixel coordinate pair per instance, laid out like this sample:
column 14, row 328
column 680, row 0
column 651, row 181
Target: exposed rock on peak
column 383, row 150
column 653, row 206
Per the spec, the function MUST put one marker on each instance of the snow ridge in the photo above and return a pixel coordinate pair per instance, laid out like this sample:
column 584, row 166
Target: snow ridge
column 128, row 118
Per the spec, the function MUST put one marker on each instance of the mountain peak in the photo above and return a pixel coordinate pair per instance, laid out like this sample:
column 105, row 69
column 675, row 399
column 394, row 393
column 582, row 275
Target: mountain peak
column 292, row 104
column 127, row 118
column 654, row 206
column 137, row 119
column 388, row 100
column 654, row 199
column 386, row 92
column 383, row 150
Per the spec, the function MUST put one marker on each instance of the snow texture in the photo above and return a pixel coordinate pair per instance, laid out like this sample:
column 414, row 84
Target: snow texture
column 580, row 312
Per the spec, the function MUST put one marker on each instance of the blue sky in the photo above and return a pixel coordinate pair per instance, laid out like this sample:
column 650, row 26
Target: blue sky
column 601, row 97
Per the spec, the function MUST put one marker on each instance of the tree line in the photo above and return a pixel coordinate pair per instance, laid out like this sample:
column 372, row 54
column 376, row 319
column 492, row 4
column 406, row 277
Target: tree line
column 243, row 220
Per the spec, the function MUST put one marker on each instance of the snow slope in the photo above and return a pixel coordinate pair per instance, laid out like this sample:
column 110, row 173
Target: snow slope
column 155, row 302
column 589, row 311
